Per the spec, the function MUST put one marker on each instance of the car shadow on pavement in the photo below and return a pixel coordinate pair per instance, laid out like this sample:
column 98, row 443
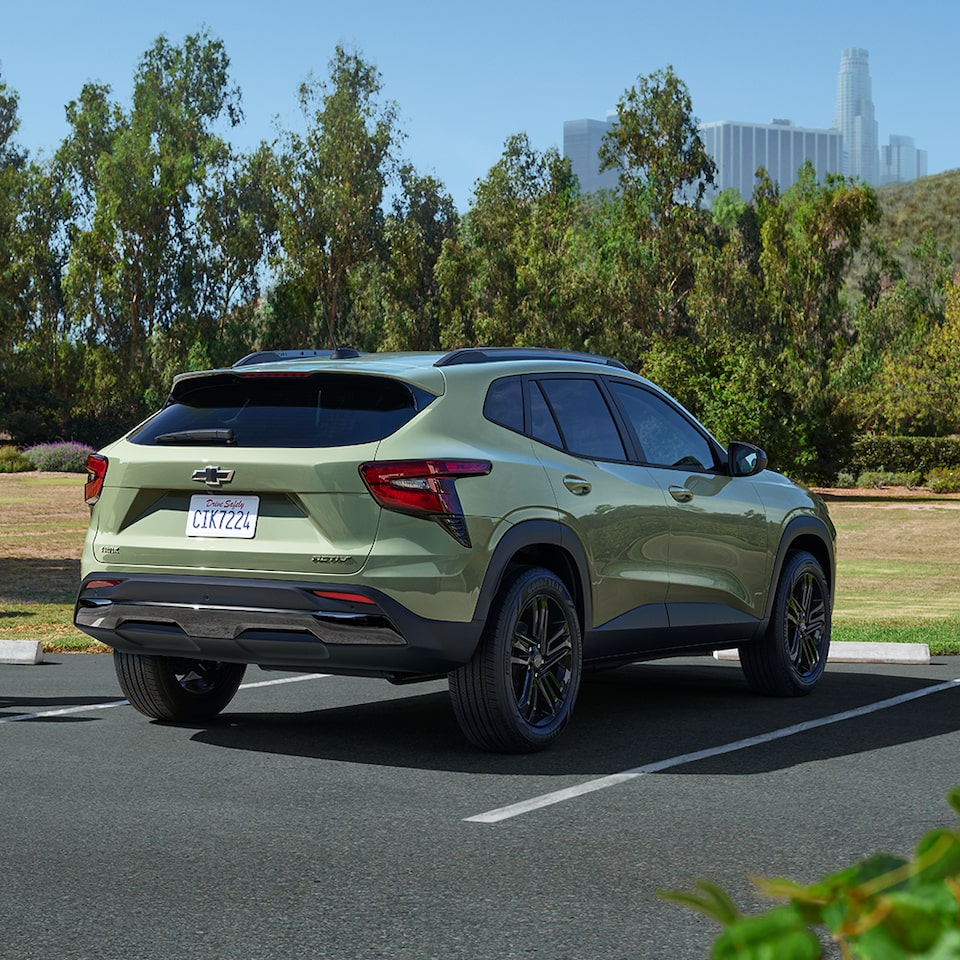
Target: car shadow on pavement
column 624, row 719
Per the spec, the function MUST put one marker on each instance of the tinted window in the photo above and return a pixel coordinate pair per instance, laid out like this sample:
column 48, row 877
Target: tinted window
column 584, row 418
column 268, row 410
column 668, row 439
column 542, row 425
column 504, row 403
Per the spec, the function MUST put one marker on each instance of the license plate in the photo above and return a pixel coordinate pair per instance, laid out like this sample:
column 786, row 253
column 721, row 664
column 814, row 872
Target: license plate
column 222, row 516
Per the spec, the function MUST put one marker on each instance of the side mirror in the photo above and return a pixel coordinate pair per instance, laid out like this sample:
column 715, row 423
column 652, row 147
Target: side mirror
column 745, row 459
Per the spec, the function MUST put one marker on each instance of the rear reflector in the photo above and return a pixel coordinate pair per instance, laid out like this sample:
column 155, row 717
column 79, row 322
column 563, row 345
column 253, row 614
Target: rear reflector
column 99, row 584
column 339, row 595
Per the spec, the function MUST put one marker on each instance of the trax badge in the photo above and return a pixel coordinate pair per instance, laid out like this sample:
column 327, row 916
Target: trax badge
column 212, row 476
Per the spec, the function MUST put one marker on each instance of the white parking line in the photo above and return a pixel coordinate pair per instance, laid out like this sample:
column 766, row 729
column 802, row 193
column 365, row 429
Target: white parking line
column 591, row 786
column 64, row 711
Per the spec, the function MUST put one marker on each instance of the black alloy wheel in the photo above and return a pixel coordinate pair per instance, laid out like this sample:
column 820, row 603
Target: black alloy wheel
column 517, row 693
column 789, row 659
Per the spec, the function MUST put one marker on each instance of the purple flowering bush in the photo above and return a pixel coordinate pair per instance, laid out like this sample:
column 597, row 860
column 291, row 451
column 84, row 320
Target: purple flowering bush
column 67, row 457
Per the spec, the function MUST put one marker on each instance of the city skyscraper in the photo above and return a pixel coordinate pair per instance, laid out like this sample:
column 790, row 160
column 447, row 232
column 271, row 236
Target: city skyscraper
column 856, row 118
column 738, row 149
column 850, row 147
column 581, row 145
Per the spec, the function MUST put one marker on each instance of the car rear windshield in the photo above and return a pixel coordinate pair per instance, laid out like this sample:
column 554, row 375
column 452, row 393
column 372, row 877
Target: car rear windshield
column 283, row 410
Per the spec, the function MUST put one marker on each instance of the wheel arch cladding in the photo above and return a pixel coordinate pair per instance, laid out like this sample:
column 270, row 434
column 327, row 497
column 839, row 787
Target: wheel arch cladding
column 811, row 535
column 540, row 543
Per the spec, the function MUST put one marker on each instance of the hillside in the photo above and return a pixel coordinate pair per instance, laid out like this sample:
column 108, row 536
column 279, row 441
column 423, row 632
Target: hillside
column 930, row 205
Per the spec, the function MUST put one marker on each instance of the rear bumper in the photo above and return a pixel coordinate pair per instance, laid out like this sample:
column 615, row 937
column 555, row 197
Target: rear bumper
column 273, row 623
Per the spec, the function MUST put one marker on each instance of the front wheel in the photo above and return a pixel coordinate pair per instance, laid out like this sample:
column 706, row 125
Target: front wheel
column 789, row 659
column 177, row 690
column 517, row 692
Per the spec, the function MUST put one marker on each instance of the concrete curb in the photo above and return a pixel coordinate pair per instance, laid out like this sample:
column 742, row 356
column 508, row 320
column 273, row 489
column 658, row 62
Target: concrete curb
column 21, row 651
column 912, row 653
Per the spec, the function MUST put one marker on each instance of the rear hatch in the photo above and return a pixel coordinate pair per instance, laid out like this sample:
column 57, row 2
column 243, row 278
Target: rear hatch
column 252, row 472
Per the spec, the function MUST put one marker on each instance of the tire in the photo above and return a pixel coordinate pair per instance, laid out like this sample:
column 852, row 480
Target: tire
column 789, row 659
column 176, row 690
column 517, row 693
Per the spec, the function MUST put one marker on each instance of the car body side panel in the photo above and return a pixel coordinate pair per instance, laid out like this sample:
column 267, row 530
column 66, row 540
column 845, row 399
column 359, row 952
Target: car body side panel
column 719, row 541
column 623, row 522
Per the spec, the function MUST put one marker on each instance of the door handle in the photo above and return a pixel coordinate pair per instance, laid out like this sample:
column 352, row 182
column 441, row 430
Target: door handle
column 680, row 494
column 576, row 485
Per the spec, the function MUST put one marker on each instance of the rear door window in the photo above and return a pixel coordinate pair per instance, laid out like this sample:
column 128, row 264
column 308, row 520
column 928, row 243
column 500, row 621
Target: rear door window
column 283, row 410
column 583, row 418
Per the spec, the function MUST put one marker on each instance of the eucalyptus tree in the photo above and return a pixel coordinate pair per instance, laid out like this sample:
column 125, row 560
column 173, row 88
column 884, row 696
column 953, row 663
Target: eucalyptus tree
column 403, row 312
column 507, row 278
column 655, row 146
column 330, row 183
column 664, row 171
column 14, row 279
column 136, row 177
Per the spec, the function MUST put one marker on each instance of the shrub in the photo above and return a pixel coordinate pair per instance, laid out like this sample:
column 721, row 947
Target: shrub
column 943, row 480
column 70, row 457
column 845, row 481
column 905, row 453
column 882, row 908
column 877, row 479
column 13, row 461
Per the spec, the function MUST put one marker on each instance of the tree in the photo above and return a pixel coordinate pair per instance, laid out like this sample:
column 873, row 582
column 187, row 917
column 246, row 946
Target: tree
column 400, row 294
column 14, row 277
column 507, row 278
column 137, row 258
column 656, row 146
column 330, row 183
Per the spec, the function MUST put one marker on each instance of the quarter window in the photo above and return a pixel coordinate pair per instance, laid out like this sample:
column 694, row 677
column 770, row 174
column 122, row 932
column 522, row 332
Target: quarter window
column 504, row 403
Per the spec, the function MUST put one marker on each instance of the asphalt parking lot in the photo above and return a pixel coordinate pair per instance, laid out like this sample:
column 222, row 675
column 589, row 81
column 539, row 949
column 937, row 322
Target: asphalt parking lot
column 328, row 817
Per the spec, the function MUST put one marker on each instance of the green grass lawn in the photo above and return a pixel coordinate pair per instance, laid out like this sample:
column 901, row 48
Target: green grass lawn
column 898, row 565
column 898, row 569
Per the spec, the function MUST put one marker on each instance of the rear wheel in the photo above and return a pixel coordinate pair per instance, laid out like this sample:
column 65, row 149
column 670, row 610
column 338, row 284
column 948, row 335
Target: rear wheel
column 517, row 692
column 177, row 690
column 789, row 659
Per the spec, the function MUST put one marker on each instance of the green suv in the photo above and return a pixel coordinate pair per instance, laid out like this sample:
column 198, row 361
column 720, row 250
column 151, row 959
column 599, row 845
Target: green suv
column 502, row 517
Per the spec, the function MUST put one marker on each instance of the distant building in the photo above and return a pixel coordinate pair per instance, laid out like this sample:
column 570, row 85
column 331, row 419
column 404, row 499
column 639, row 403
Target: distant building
column 901, row 161
column 581, row 144
column 851, row 147
column 738, row 149
column 856, row 118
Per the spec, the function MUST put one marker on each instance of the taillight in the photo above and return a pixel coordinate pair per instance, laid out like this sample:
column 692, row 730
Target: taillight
column 424, row 488
column 96, row 473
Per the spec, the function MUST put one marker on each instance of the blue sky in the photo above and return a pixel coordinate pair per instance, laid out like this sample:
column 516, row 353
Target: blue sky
column 467, row 76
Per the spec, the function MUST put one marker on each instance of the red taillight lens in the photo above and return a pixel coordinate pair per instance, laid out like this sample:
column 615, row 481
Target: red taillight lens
column 96, row 472
column 424, row 488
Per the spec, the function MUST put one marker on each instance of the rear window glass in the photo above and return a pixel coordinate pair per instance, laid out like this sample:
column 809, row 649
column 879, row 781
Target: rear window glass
column 269, row 410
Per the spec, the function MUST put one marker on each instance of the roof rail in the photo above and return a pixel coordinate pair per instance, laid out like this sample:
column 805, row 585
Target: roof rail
column 272, row 356
column 499, row 354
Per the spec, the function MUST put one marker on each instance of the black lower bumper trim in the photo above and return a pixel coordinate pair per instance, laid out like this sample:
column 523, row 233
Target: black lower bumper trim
column 279, row 624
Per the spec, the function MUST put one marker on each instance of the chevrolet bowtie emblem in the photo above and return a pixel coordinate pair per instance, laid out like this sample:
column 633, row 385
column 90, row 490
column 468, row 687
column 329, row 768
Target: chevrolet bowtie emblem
column 212, row 476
